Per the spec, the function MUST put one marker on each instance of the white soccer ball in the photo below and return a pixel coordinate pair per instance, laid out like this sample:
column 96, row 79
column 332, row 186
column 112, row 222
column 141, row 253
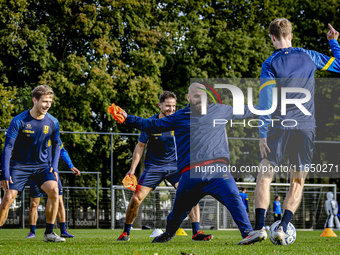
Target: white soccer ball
column 267, row 228
column 291, row 232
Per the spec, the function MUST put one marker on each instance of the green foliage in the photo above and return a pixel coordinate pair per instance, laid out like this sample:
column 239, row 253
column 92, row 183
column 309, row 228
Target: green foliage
column 6, row 109
column 93, row 53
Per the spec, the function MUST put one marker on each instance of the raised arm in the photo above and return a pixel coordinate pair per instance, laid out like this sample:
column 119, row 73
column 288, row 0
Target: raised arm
column 162, row 125
column 326, row 63
column 332, row 37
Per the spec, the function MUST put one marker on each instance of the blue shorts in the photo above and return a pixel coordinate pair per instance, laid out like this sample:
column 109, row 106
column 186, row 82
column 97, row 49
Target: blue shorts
column 152, row 178
column 298, row 142
column 38, row 175
column 35, row 191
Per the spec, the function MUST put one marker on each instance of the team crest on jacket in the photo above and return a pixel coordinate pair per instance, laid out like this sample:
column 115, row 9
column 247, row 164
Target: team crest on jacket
column 46, row 129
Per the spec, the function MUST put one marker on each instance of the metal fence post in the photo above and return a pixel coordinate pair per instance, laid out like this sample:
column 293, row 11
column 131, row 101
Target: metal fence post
column 67, row 209
column 23, row 208
column 112, row 192
column 97, row 200
column 303, row 211
column 217, row 215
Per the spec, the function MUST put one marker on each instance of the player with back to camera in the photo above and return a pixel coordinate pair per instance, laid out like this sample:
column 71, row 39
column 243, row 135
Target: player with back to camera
column 160, row 164
column 199, row 146
column 36, row 194
column 26, row 155
column 294, row 68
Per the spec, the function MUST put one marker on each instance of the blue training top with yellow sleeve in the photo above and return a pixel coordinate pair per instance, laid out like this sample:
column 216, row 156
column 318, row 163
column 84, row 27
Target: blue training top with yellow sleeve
column 161, row 149
column 293, row 67
column 245, row 201
column 65, row 156
column 28, row 144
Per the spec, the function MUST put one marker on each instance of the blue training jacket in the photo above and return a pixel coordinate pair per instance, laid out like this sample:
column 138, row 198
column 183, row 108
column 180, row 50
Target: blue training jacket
column 161, row 150
column 28, row 142
column 197, row 139
column 295, row 68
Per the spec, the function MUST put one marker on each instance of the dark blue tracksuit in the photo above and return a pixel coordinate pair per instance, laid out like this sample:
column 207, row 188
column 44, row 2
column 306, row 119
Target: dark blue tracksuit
column 199, row 142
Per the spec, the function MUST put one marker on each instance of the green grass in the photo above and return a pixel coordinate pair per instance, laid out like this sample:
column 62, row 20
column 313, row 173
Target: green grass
column 102, row 241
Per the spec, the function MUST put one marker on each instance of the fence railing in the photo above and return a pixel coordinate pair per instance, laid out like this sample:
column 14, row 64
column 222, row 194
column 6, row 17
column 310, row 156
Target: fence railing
column 106, row 203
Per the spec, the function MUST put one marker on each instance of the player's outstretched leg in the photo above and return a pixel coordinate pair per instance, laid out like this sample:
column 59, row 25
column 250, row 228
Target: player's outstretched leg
column 226, row 192
column 188, row 195
column 132, row 210
column 195, row 213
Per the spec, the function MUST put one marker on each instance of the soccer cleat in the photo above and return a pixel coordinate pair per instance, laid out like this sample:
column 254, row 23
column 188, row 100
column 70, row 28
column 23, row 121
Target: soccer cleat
column 280, row 236
column 254, row 236
column 30, row 235
column 124, row 237
column 66, row 234
column 53, row 237
column 163, row 238
column 200, row 236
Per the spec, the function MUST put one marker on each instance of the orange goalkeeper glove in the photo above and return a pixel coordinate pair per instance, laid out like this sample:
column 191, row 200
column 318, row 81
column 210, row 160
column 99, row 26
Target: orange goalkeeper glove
column 130, row 182
column 114, row 110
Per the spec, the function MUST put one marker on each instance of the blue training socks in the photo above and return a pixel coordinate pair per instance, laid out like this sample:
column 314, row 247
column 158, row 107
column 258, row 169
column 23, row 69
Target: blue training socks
column 62, row 226
column 287, row 217
column 260, row 215
column 32, row 228
column 127, row 228
column 195, row 227
column 49, row 228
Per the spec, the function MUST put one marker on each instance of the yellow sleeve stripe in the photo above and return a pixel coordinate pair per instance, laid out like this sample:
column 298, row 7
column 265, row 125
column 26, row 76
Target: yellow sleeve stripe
column 61, row 146
column 328, row 64
column 271, row 82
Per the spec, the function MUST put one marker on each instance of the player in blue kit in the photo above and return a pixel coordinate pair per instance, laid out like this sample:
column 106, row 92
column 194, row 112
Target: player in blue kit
column 26, row 155
column 36, row 194
column 288, row 69
column 277, row 208
column 245, row 199
column 160, row 164
column 200, row 146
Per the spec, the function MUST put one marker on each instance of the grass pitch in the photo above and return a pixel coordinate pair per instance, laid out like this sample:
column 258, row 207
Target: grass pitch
column 102, row 241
